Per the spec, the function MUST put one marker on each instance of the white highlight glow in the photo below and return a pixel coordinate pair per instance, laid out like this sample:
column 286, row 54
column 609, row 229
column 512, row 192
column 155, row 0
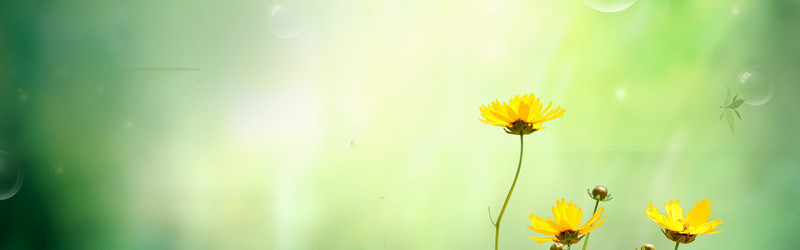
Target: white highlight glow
column 745, row 76
column 275, row 9
column 289, row 116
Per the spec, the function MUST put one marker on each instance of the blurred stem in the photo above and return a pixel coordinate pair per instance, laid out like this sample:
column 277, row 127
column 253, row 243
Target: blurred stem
column 500, row 217
column 676, row 245
column 587, row 234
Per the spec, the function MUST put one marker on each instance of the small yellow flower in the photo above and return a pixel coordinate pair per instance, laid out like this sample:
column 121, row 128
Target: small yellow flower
column 684, row 229
column 520, row 115
column 564, row 228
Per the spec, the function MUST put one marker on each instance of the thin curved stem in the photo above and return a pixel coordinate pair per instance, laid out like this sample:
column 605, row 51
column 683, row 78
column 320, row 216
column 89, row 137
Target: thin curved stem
column 490, row 216
column 676, row 245
column 500, row 217
column 586, row 241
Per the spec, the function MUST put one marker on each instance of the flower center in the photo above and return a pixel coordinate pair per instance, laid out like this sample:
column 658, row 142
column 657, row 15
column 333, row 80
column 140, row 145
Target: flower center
column 686, row 225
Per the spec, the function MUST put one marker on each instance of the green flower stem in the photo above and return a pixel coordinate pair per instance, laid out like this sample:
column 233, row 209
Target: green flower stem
column 586, row 241
column 500, row 217
column 676, row 245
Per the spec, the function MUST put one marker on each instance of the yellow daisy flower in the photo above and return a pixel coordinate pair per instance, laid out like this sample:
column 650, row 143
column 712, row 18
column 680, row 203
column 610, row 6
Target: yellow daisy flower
column 564, row 228
column 520, row 115
column 684, row 229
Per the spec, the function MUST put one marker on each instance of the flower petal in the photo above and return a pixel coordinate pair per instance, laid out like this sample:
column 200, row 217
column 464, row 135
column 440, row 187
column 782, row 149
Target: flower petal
column 502, row 117
column 575, row 216
column 593, row 219
column 541, row 226
column 555, row 225
column 510, row 113
column 523, row 110
column 542, row 240
column 592, row 227
column 699, row 213
column 705, row 228
column 662, row 220
column 674, row 210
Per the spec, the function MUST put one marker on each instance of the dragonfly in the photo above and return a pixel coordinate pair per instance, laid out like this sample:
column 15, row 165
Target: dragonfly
column 729, row 105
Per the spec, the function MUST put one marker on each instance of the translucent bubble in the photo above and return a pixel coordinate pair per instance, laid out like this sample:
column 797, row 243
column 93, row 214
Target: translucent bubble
column 502, row 14
column 609, row 5
column 10, row 176
column 284, row 20
column 754, row 84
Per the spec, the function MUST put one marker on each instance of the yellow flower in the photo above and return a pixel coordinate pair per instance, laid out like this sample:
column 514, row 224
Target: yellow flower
column 520, row 115
column 684, row 229
column 564, row 228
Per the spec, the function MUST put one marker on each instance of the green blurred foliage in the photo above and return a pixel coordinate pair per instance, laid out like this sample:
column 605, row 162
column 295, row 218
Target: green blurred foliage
column 363, row 131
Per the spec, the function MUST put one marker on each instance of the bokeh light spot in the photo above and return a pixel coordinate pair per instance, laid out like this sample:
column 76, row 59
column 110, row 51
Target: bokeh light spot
column 502, row 14
column 10, row 176
column 609, row 5
column 755, row 85
column 284, row 20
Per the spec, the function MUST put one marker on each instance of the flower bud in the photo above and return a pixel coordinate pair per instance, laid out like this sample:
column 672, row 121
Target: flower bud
column 648, row 246
column 557, row 246
column 599, row 193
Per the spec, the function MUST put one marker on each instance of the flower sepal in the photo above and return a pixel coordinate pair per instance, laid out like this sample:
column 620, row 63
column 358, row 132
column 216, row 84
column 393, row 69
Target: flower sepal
column 520, row 127
column 678, row 237
column 568, row 237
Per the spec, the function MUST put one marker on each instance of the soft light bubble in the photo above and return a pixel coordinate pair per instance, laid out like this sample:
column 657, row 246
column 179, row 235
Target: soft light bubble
column 284, row 20
column 502, row 14
column 754, row 84
column 609, row 5
column 10, row 176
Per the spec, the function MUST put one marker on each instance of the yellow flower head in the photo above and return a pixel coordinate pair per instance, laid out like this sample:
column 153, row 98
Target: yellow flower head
column 520, row 115
column 564, row 228
column 684, row 229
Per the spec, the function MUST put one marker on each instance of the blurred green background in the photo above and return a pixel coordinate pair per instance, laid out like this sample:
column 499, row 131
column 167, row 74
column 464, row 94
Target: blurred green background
column 354, row 124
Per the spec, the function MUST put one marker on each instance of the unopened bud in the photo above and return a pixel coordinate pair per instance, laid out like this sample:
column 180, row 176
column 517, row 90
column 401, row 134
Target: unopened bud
column 648, row 246
column 557, row 246
column 599, row 193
